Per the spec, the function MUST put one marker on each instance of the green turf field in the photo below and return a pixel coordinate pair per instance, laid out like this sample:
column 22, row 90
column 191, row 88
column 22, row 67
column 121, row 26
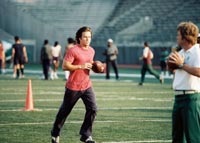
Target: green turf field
column 128, row 113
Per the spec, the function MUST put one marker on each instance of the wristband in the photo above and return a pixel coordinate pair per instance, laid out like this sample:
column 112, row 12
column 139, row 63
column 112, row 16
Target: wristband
column 180, row 66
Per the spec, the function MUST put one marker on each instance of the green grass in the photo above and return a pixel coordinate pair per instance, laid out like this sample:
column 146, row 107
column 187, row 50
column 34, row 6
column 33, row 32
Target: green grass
column 127, row 112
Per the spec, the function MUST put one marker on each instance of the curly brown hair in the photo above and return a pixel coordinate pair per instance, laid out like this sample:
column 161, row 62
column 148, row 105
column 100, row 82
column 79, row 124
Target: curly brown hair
column 189, row 31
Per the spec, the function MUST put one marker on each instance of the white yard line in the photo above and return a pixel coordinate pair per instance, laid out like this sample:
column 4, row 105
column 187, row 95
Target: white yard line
column 49, row 123
column 80, row 109
column 39, row 72
column 144, row 141
column 78, row 122
column 110, row 98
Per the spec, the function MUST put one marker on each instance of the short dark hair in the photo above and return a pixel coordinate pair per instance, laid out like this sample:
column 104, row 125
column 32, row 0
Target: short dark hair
column 56, row 43
column 80, row 31
column 16, row 38
column 70, row 40
column 146, row 44
column 46, row 41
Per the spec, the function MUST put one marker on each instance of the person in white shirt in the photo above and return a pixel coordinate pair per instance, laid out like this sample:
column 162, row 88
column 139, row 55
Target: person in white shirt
column 70, row 43
column 147, row 57
column 186, row 84
column 56, row 53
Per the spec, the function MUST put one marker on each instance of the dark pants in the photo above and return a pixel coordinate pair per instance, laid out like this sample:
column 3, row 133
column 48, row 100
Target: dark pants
column 45, row 66
column 163, row 66
column 149, row 68
column 70, row 99
column 186, row 119
column 114, row 65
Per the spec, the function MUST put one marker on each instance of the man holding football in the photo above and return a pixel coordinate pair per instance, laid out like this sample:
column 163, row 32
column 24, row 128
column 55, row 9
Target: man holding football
column 186, row 83
column 78, row 61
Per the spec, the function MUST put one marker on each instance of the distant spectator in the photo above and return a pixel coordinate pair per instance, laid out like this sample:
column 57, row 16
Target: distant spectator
column 163, row 58
column 111, row 58
column 19, row 57
column 57, row 55
column 46, row 57
column 70, row 43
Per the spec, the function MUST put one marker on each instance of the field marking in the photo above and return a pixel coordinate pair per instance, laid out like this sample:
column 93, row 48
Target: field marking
column 82, row 109
column 102, row 92
column 47, row 123
column 111, row 98
column 80, row 122
column 39, row 72
column 144, row 141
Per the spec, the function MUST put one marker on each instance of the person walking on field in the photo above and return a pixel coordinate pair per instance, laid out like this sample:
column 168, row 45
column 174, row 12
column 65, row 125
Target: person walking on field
column 186, row 84
column 111, row 58
column 46, row 57
column 147, row 64
column 19, row 57
column 78, row 61
column 57, row 55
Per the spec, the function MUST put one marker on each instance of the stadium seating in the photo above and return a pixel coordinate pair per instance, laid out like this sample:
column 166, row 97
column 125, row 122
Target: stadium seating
column 128, row 22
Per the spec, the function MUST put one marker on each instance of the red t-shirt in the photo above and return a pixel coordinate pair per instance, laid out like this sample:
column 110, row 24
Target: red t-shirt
column 1, row 52
column 79, row 79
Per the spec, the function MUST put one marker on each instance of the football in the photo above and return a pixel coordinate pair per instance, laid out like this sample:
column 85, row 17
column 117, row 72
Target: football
column 98, row 67
column 171, row 66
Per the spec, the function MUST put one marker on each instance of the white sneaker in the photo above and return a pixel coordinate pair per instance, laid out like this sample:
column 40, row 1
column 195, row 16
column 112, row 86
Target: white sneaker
column 42, row 77
column 14, row 75
column 55, row 76
column 87, row 140
column 21, row 76
column 55, row 139
column 52, row 76
column 3, row 71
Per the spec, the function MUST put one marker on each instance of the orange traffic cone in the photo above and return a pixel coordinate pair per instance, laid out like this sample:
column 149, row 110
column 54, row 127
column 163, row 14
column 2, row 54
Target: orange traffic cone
column 29, row 98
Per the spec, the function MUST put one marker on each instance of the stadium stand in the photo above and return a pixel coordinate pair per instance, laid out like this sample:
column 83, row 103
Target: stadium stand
column 128, row 22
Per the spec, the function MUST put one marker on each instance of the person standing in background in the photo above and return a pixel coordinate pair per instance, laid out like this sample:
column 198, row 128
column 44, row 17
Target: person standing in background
column 147, row 57
column 186, row 84
column 57, row 55
column 70, row 43
column 2, row 58
column 19, row 57
column 78, row 61
column 45, row 58
column 111, row 58
column 163, row 59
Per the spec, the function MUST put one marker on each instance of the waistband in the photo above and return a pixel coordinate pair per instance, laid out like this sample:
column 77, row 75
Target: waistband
column 182, row 97
column 183, row 92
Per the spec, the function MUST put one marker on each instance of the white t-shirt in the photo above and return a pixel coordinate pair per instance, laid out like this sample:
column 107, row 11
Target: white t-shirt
column 182, row 79
column 56, row 51
column 145, row 52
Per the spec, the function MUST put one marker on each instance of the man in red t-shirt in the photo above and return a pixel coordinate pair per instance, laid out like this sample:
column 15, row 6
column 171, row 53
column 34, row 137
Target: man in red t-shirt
column 78, row 61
